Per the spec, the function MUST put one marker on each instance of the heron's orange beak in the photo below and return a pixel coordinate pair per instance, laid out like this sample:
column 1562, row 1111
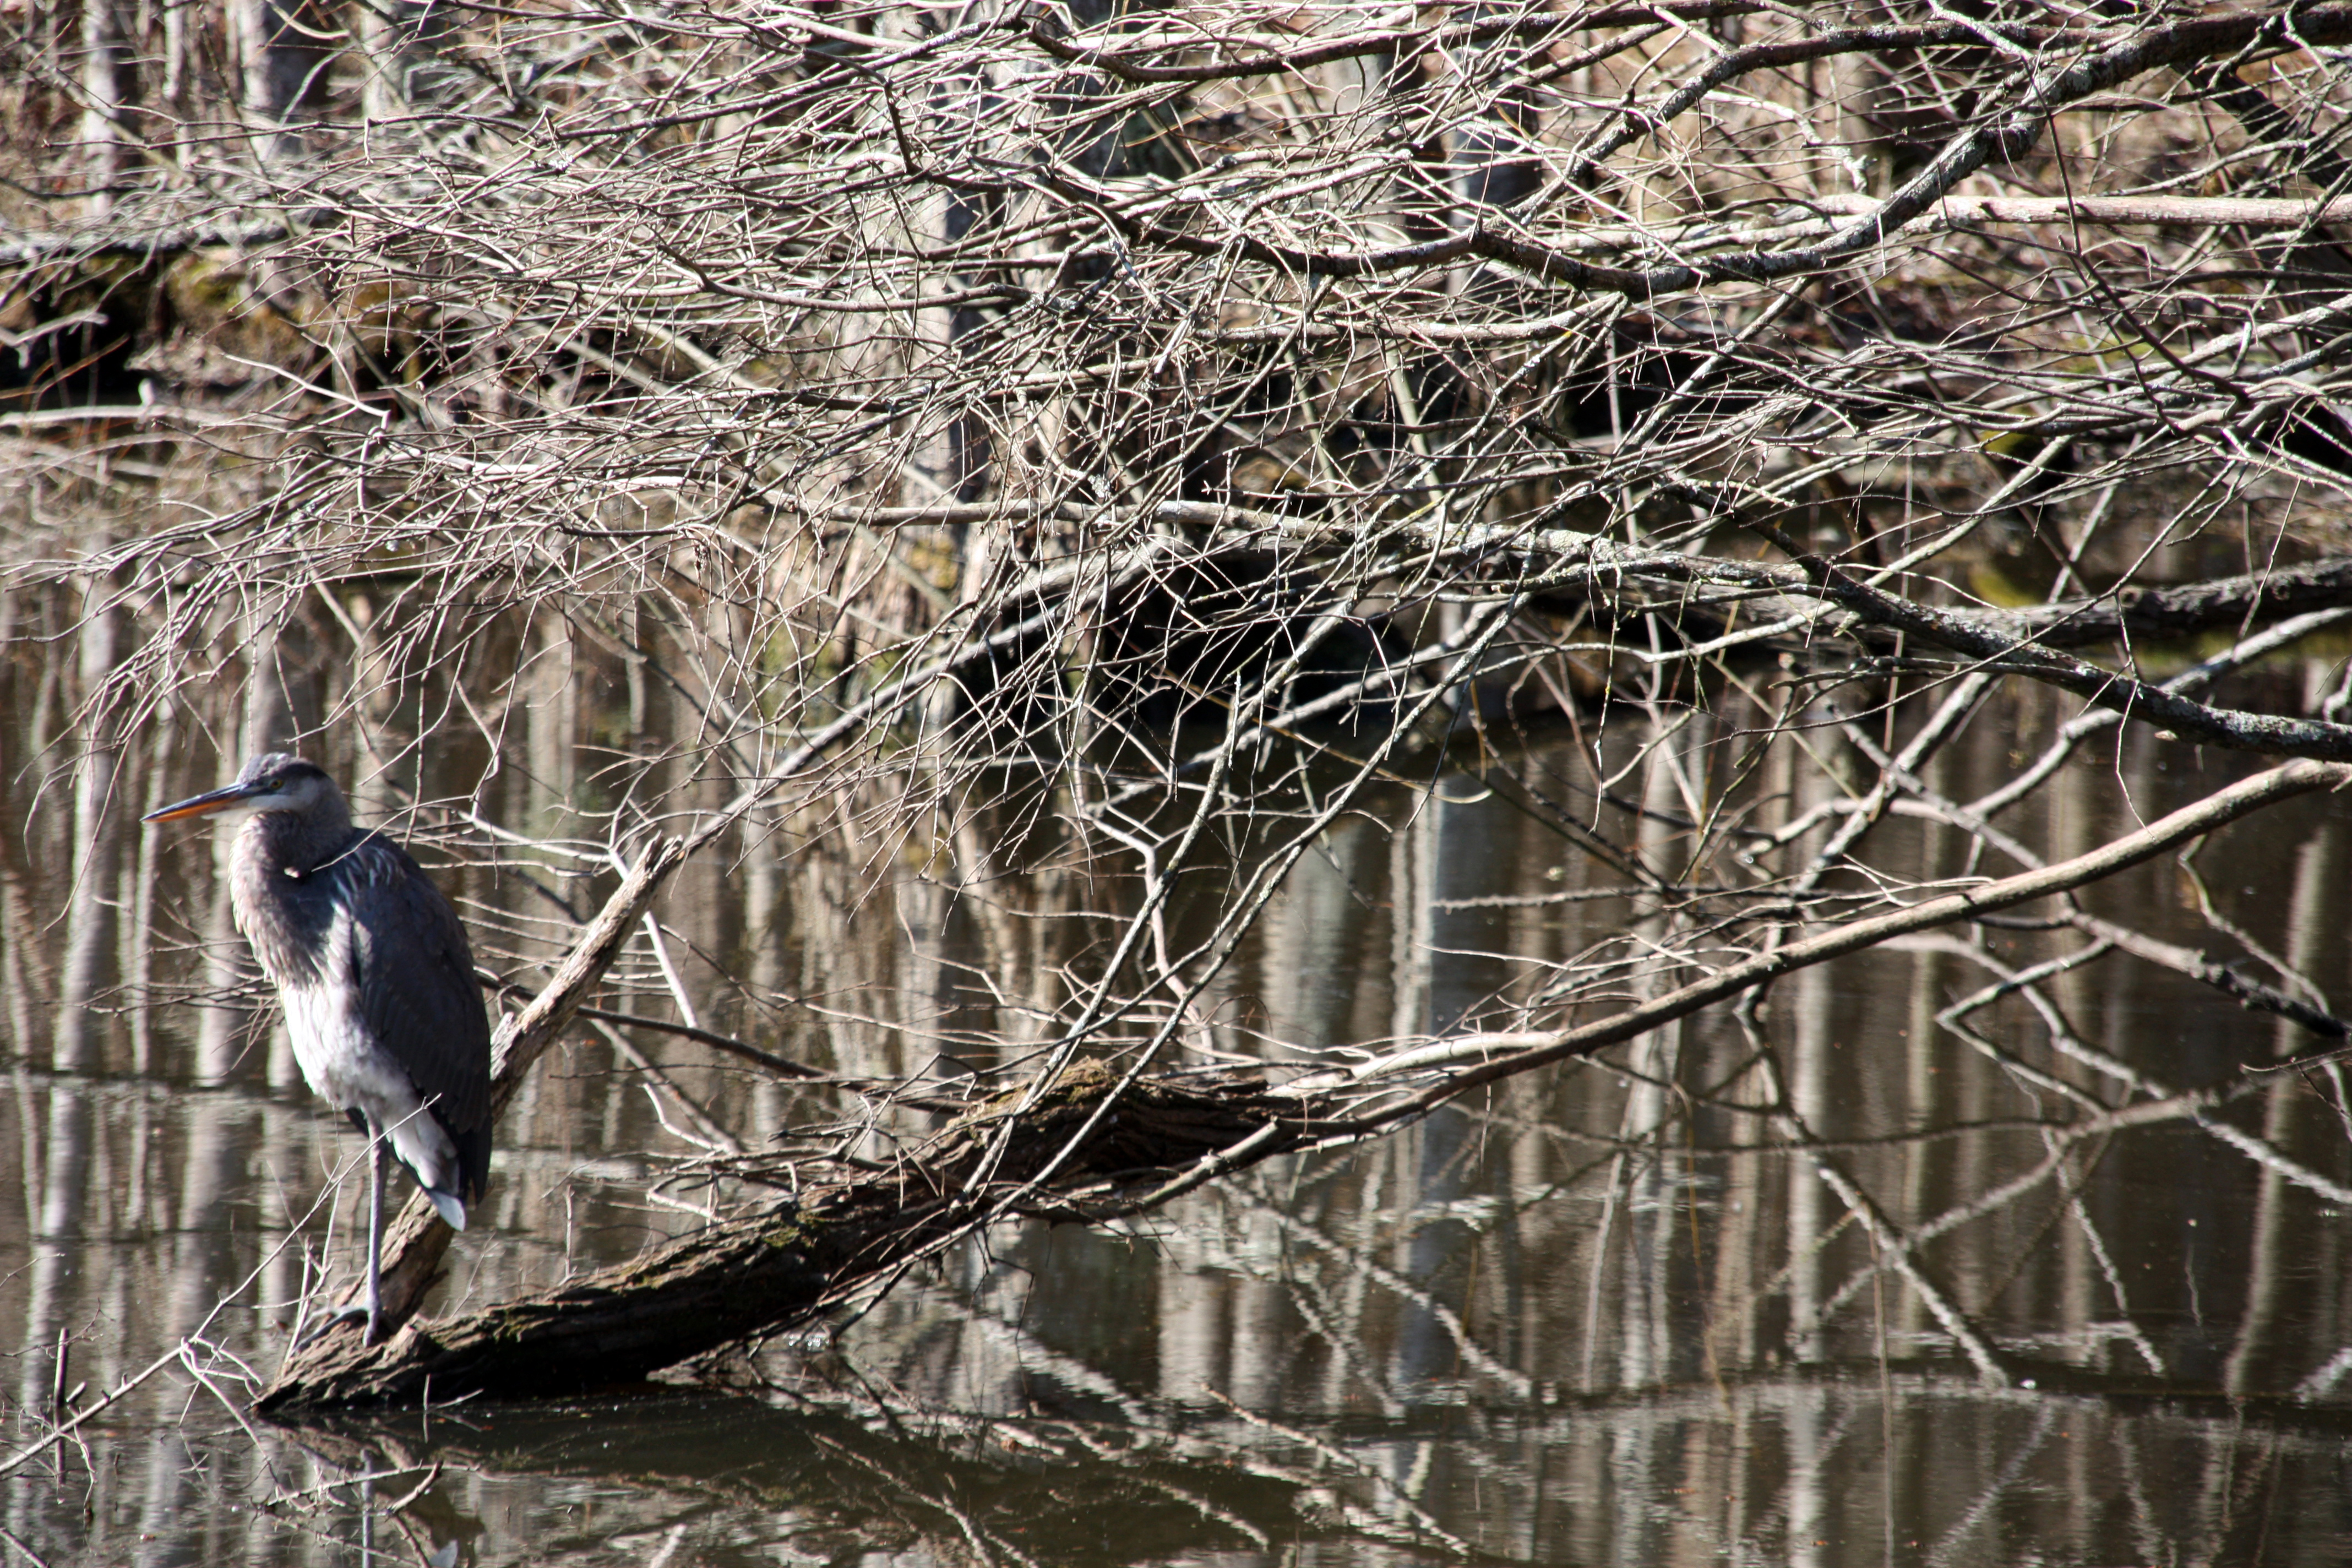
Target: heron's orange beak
column 198, row 804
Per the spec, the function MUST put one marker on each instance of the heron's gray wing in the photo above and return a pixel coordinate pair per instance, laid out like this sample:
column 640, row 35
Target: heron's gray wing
column 415, row 974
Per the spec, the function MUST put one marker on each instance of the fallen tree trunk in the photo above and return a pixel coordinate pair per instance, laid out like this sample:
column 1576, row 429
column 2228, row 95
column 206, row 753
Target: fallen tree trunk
column 765, row 1272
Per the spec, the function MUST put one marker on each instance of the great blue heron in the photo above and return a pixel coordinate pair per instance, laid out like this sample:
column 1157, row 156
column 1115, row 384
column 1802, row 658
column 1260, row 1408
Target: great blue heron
column 371, row 966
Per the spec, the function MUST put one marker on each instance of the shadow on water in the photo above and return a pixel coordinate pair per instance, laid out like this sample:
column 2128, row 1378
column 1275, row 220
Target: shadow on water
column 1610, row 1314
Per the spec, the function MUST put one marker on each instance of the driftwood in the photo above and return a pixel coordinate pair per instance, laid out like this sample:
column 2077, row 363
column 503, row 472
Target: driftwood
column 1082, row 1144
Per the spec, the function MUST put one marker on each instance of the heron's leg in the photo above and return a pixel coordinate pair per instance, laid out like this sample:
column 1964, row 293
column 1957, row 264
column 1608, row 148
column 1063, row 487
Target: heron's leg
column 379, row 1157
column 369, row 1310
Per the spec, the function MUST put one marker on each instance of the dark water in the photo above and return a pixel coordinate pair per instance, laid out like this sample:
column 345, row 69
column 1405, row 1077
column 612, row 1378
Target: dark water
column 1606, row 1315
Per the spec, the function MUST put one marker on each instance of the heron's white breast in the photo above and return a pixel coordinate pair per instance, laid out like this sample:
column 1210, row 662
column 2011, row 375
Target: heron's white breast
column 347, row 1069
column 340, row 1057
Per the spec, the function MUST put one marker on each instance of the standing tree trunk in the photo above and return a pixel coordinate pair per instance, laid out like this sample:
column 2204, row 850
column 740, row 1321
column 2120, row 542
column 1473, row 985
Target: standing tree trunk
column 285, row 53
column 101, row 103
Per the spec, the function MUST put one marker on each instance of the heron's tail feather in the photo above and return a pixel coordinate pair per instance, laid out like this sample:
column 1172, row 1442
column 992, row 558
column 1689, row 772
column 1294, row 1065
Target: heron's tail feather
column 451, row 1209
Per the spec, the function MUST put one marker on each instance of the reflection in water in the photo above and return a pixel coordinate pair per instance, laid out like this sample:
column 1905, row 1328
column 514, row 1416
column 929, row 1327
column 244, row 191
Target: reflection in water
column 1723, row 1295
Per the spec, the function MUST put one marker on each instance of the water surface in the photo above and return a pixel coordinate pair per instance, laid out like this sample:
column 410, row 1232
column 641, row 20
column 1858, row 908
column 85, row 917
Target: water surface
column 1617, row 1312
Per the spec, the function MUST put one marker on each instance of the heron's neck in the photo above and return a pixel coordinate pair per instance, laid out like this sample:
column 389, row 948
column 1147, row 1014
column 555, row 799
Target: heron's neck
column 304, row 840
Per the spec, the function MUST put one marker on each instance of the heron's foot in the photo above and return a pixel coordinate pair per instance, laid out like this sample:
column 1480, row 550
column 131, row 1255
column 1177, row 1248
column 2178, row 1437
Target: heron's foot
column 358, row 1313
column 329, row 1324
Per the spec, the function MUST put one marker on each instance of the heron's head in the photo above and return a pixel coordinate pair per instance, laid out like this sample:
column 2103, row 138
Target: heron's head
column 270, row 782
